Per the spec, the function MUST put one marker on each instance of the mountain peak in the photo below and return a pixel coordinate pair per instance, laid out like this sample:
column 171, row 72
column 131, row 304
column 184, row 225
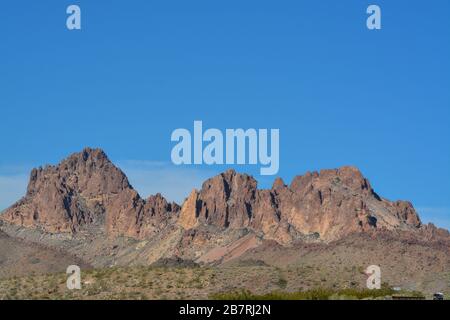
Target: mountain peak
column 278, row 183
column 86, row 188
column 82, row 189
column 96, row 153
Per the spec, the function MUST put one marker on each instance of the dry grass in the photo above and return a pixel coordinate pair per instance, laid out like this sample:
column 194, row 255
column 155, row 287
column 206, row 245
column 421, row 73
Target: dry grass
column 142, row 283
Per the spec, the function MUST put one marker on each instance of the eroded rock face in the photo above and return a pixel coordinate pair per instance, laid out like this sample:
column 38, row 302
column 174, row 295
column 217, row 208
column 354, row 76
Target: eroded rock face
column 188, row 214
column 86, row 188
column 329, row 204
column 431, row 233
column 226, row 200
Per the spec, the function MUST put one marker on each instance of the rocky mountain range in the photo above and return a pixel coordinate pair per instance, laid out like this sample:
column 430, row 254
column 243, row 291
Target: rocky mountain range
column 86, row 208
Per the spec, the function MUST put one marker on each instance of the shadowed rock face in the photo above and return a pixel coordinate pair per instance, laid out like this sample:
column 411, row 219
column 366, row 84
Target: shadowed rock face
column 86, row 189
column 330, row 204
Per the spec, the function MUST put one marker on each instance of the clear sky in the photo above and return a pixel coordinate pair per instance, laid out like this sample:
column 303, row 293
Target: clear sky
column 339, row 93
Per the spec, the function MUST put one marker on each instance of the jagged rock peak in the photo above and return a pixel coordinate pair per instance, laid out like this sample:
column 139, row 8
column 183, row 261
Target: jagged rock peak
column 87, row 188
column 278, row 183
column 89, row 172
column 331, row 203
column 347, row 175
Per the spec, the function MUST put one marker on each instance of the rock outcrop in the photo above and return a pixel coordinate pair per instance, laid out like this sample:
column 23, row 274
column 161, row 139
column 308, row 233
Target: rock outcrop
column 86, row 189
column 188, row 214
column 328, row 205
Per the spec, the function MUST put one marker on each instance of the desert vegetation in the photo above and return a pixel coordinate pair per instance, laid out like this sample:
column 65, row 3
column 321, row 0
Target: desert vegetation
column 225, row 283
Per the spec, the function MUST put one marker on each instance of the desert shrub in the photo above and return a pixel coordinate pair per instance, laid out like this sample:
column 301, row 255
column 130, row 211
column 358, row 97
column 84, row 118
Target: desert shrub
column 315, row 294
column 282, row 282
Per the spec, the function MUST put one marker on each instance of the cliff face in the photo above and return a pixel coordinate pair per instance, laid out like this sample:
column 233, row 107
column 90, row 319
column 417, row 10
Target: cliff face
column 328, row 205
column 86, row 189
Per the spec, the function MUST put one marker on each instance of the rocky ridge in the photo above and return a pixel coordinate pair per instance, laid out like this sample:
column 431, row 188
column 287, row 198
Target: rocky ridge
column 86, row 194
column 88, row 189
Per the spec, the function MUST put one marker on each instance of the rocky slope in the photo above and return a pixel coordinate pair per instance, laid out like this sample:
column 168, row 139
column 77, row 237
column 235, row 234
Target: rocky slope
column 328, row 206
column 86, row 207
column 84, row 189
column 19, row 258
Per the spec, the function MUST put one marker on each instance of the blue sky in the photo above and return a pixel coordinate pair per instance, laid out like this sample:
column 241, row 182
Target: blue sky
column 339, row 93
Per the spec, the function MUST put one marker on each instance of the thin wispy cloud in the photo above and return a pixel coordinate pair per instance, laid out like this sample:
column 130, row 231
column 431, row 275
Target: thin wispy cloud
column 173, row 182
column 147, row 177
column 13, row 183
column 12, row 188
column 440, row 216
